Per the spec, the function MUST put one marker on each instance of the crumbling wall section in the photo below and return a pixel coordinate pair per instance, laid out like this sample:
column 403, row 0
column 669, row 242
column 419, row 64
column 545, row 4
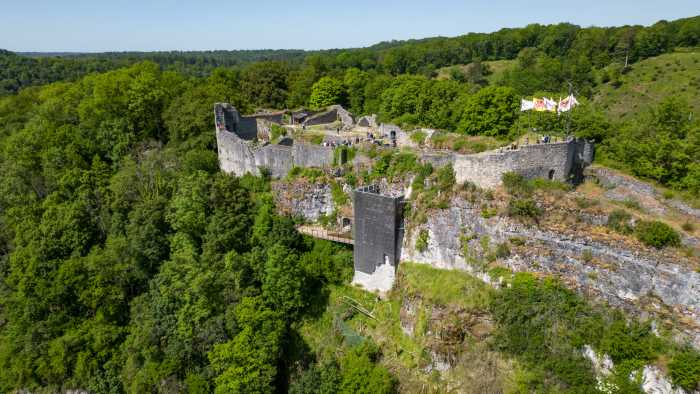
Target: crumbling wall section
column 322, row 118
column 307, row 155
column 277, row 159
column 235, row 155
column 549, row 161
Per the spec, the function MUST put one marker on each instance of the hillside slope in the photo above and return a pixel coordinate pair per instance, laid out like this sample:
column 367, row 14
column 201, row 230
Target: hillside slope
column 650, row 81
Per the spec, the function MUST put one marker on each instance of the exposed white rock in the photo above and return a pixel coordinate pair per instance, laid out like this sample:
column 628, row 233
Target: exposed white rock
column 382, row 279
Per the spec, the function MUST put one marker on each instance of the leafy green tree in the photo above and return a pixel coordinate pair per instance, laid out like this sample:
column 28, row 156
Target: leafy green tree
column 326, row 91
column 247, row 363
column 492, row 111
column 361, row 374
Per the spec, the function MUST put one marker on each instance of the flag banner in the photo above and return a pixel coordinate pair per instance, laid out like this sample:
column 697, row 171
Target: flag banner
column 538, row 104
column 526, row 105
column 550, row 105
column 567, row 103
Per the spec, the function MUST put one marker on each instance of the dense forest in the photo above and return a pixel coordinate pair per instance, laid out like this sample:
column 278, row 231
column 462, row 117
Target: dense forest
column 129, row 263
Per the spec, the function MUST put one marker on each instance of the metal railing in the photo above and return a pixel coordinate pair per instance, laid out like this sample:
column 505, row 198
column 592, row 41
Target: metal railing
column 321, row 233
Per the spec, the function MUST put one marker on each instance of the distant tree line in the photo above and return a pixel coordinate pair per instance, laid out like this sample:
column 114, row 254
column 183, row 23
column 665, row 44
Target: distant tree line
column 564, row 49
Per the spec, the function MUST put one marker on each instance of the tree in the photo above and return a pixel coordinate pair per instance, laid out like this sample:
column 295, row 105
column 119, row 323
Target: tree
column 326, row 91
column 492, row 111
column 248, row 363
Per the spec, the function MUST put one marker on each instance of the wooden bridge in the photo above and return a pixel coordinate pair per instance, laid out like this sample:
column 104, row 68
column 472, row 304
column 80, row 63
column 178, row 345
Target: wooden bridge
column 316, row 231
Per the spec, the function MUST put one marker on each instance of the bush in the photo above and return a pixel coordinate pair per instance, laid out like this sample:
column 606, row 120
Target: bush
column 487, row 212
column 516, row 185
column 657, row 234
column 546, row 184
column 276, row 131
column 445, row 178
column 688, row 226
column 525, row 207
column 339, row 196
column 422, row 241
column 618, row 220
column 502, row 250
column 685, row 369
column 587, row 256
column 418, row 137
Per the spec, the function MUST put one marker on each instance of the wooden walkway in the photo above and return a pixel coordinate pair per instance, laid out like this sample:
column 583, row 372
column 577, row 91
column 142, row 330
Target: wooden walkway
column 322, row 233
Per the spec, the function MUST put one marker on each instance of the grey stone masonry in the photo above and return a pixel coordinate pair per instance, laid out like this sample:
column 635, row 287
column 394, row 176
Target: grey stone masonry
column 240, row 153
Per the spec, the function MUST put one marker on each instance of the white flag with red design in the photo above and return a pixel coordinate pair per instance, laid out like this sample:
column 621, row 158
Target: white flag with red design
column 567, row 103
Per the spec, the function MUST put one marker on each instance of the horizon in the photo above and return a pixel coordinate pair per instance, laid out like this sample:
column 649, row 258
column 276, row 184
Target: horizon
column 80, row 27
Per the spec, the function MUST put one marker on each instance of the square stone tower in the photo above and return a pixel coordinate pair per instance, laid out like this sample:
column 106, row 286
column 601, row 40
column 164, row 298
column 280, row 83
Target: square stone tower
column 378, row 234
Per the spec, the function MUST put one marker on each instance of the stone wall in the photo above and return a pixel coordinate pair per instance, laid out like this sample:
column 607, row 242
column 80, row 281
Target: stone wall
column 333, row 114
column 558, row 161
column 368, row 121
column 307, row 155
column 237, row 156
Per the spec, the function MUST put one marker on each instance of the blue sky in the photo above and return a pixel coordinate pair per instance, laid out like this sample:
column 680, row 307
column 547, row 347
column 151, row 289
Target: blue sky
column 97, row 25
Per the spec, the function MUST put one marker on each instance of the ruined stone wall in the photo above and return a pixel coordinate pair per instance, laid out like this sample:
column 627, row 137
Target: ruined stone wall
column 322, row 118
column 437, row 160
column 549, row 161
column 237, row 156
column 277, row 159
column 307, row 155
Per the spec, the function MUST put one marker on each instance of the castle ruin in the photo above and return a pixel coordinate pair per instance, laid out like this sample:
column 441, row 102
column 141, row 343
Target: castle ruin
column 244, row 146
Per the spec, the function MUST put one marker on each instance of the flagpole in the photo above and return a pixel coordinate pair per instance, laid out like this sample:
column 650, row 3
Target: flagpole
column 571, row 108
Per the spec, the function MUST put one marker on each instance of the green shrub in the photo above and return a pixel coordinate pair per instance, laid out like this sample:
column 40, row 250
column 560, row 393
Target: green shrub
column 339, row 196
column 631, row 203
column 502, row 250
column 684, row 369
column 516, row 185
column 688, row 226
column 630, row 341
column 517, row 241
column 523, row 207
column 422, row 241
column 618, row 220
column 657, row 234
column 317, row 139
column 546, row 184
column 276, row 131
column 584, row 203
column 587, row 256
column 445, row 178
column 487, row 212
column 418, row 137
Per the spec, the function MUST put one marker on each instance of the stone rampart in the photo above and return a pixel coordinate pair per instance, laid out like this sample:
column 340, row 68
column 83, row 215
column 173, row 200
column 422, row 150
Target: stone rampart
column 560, row 161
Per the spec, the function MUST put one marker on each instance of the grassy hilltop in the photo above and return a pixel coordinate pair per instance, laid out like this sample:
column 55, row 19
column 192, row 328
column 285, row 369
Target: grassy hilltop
column 650, row 81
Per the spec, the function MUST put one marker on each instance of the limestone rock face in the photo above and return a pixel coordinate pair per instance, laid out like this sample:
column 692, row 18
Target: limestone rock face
column 302, row 198
column 645, row 282
column 622, row 187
